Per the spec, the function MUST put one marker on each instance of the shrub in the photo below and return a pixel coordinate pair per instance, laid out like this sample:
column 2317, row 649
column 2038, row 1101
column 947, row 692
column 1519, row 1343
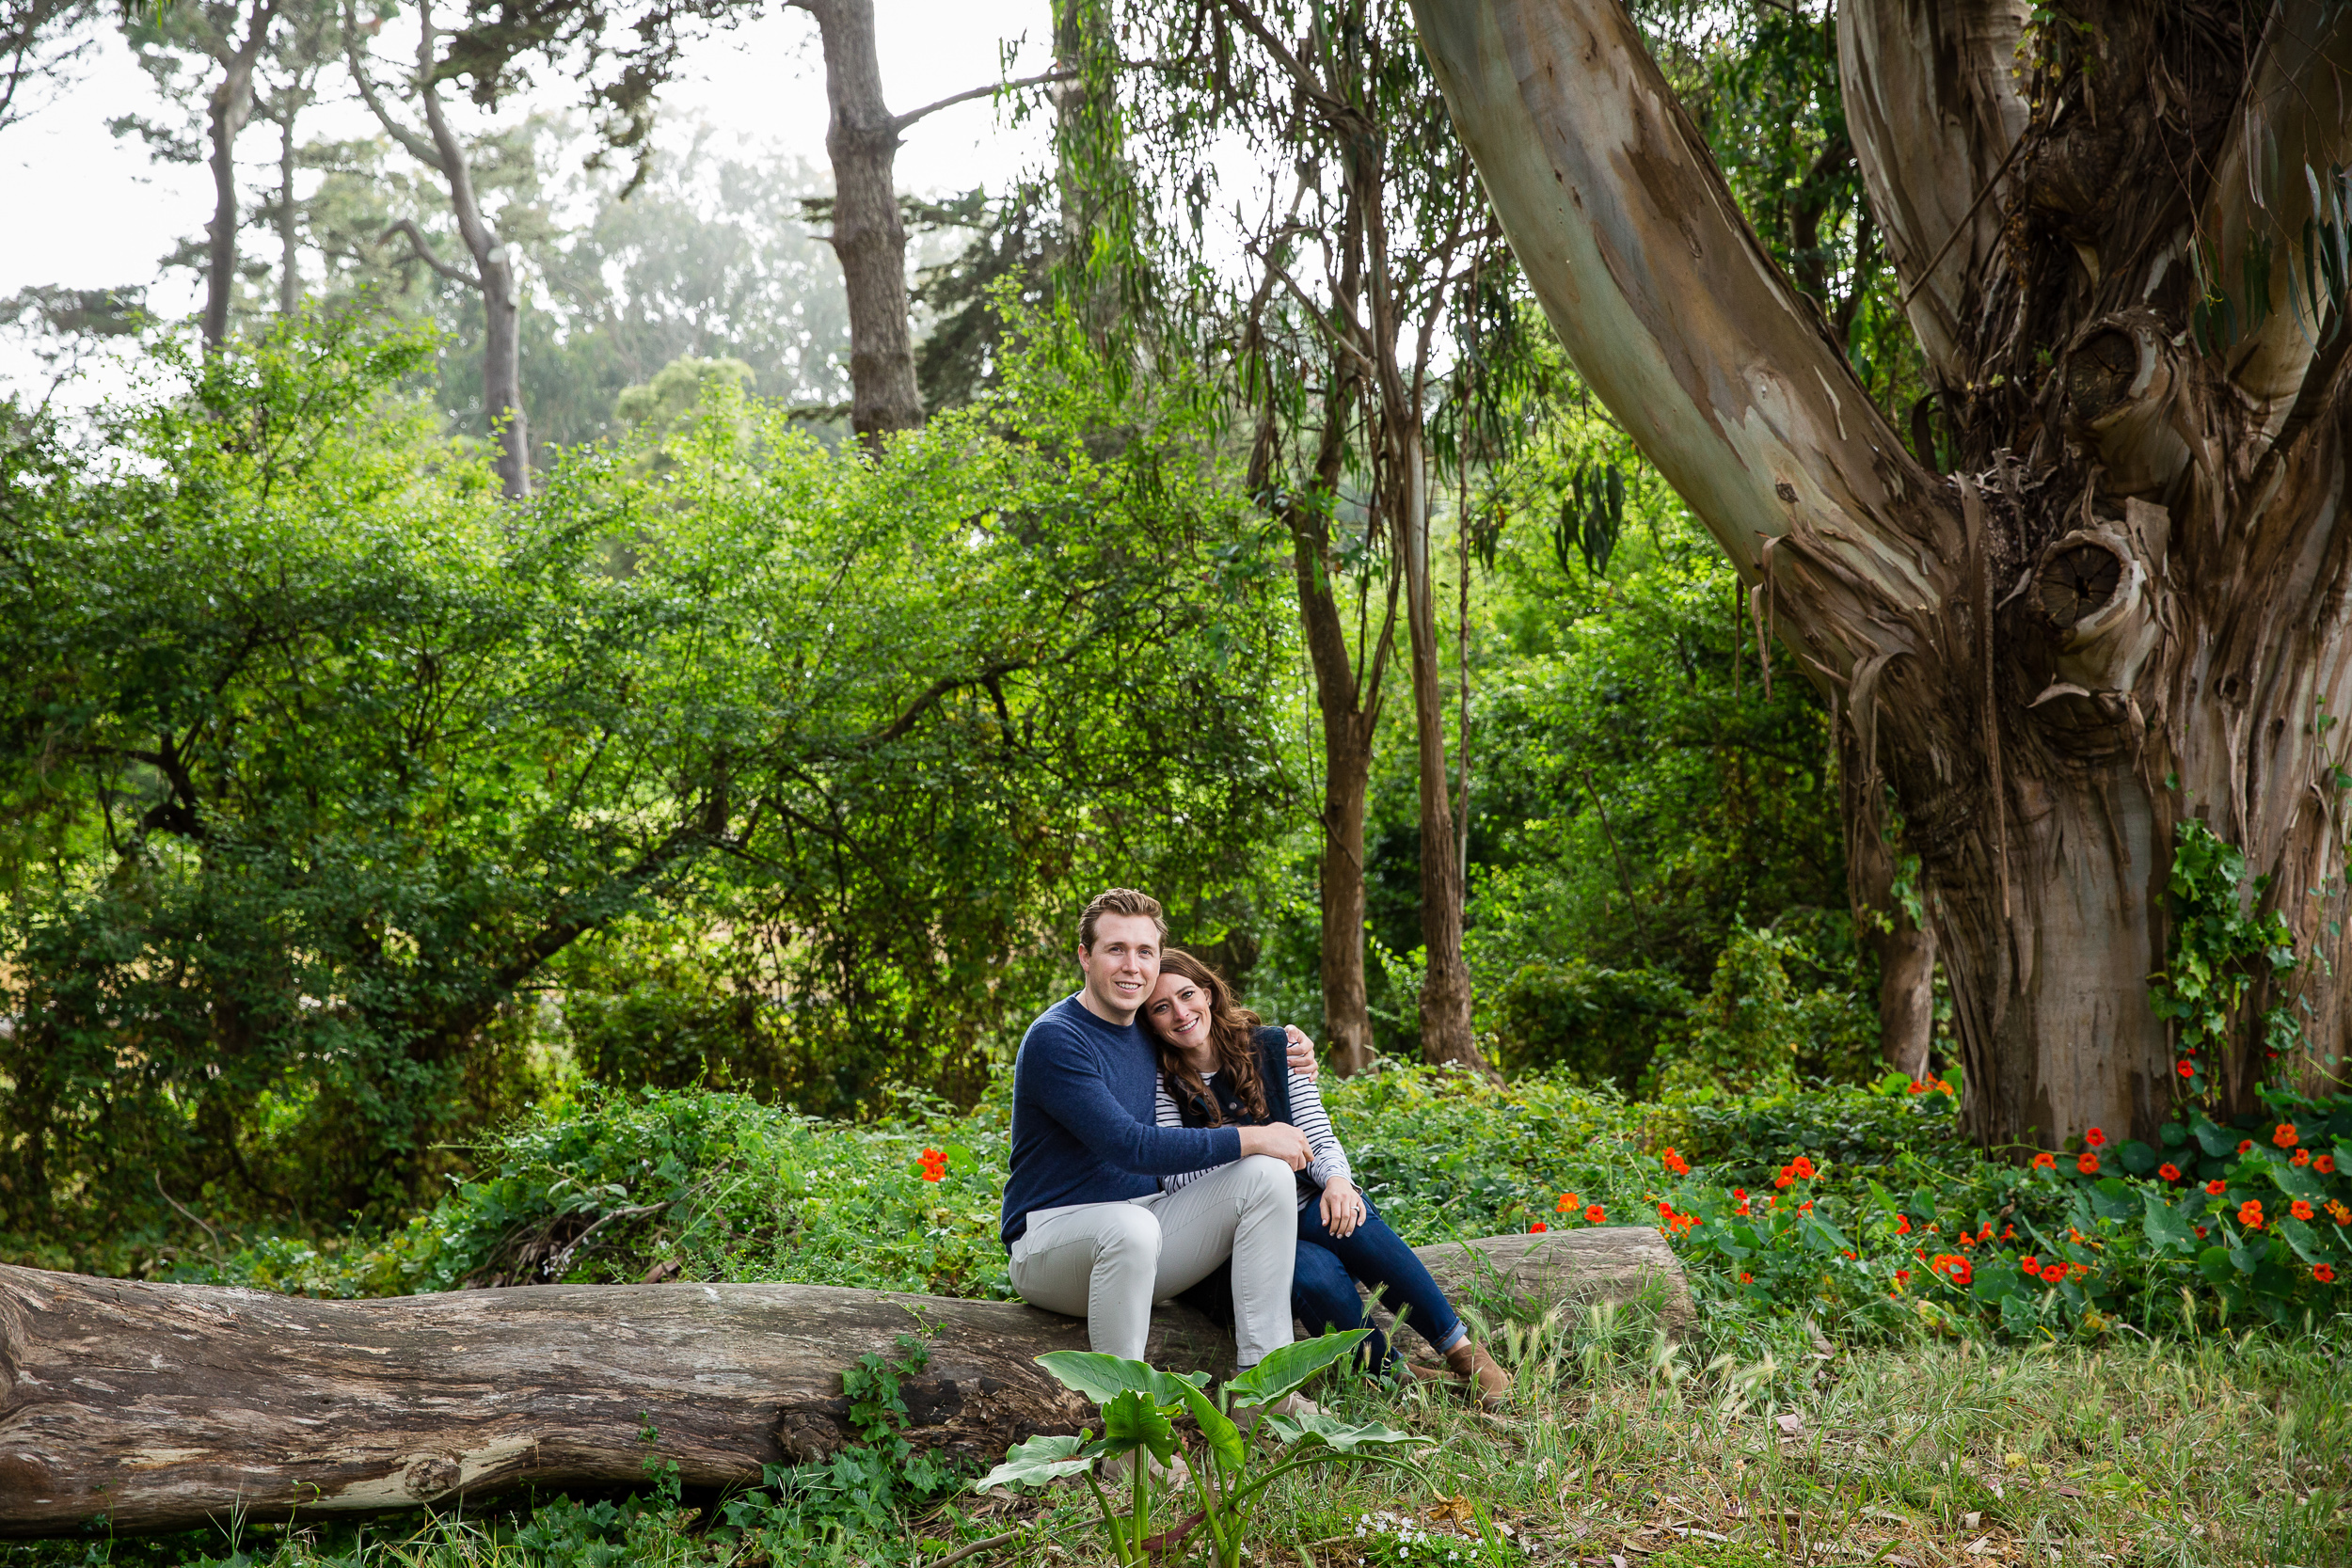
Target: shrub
column 1598, row 1026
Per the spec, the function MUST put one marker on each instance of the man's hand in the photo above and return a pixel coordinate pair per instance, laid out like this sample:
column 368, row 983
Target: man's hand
column 1302, row 1051
column 1343, row 1207
column 1281, row 1140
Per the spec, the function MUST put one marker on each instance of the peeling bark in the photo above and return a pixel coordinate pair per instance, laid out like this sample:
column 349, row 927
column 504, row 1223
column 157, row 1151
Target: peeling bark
column 168, row 1407
column 2131, row 602
column 1929, row 84
column 1904, row 949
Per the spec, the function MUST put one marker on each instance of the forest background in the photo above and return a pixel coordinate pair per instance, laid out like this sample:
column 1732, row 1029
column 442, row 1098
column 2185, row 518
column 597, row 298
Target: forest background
column 353, row 806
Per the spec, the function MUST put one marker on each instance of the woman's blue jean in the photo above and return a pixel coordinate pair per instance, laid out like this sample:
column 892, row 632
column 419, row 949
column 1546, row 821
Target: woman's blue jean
column 1323, row 1284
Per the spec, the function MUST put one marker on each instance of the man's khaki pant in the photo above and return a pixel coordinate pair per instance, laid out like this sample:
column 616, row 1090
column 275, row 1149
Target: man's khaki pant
column 1108, row 1262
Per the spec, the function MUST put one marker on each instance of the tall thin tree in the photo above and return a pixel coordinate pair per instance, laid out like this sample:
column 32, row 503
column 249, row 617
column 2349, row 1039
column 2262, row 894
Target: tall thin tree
column 1336, row 102
column 230, row 36
column 495, row 274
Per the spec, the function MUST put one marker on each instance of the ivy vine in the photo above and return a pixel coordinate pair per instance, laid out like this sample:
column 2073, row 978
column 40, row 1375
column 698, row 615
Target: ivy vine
column 2217, row 952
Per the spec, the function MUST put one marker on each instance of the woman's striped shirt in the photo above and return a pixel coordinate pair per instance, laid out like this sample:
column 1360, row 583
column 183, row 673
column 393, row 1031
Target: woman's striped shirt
column 1306, row 1115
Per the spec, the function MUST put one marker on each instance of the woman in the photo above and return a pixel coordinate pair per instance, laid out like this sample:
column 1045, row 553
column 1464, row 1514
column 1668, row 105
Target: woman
column 1218, row 1064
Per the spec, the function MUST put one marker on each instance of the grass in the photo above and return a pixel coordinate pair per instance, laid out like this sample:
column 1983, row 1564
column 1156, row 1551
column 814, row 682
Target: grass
column 1616, row 1450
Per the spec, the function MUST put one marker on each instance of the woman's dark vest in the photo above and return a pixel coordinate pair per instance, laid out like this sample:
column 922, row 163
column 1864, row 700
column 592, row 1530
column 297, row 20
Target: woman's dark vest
column 1274, row 1075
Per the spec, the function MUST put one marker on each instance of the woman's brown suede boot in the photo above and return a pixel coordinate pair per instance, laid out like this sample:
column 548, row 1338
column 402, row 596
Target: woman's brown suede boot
column 1471, row 1363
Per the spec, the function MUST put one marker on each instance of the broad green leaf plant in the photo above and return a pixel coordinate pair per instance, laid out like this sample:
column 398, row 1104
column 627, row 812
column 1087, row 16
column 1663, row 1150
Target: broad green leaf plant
column 1137, row 1404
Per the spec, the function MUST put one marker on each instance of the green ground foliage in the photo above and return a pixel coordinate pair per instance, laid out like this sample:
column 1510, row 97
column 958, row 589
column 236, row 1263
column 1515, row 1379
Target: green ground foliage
column 1858, row 1211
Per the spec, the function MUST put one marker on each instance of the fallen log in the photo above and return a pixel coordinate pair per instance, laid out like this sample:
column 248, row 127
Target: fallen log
column 165, row 1406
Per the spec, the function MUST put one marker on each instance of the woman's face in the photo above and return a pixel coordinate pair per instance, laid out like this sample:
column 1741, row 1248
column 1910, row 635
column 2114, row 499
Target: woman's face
column 1178, row 1013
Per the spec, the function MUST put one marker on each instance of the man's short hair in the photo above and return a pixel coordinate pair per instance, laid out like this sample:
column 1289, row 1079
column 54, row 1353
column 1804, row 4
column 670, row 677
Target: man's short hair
column 1117, row 900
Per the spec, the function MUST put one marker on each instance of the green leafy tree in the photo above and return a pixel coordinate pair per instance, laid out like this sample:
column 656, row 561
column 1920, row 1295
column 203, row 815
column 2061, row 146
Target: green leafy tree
column 317, row 757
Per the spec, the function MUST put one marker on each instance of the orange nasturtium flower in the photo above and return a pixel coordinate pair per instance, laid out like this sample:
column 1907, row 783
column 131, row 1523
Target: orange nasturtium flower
column 1569, row 1201
column 2325, row 1164
column 2087, row 1163
column 2170, row 1171
column 2186, row 1068
column 2216, row 1188
column 1595, row 1213
column 1676, row 1163
column 2337, row 1213
column 2249, row 1213
column 2245, row 1146
column 2030, row 1265
column 2093, row 1138
column 2045, row 1160
column 934, row 1164
column 2285, row 1136
column 1902, row 1225
column 1802, row 1167
column 2302, row 1157
column 2299, row 1208
column 2325, row 1274
column 1537, row 1225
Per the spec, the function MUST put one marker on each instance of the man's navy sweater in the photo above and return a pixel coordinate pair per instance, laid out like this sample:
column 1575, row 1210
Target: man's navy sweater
column 1081, row 1121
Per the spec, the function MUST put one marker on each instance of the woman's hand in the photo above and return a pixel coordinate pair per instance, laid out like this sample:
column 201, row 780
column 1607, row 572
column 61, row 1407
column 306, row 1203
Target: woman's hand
column 1281, row 1140
column 1343, row 1207
column 1302, row 1051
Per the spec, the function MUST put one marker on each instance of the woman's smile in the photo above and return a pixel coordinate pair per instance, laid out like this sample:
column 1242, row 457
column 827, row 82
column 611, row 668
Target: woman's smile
column 1179, row 1012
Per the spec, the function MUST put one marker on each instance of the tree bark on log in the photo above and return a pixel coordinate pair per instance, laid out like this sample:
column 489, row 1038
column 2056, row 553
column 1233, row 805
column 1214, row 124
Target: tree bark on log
column 165, row 1406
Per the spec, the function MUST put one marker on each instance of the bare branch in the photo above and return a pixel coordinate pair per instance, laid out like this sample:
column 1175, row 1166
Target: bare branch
column 938, row 688
column 423, row 252
column 898, row 123
column 419, row 149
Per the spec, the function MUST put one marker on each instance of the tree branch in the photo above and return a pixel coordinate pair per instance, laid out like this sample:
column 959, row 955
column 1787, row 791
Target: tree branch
column 419, row 149
column 423, row 252
column 898, row 123
column 1678, row 319
column 930, row 699
column 1933, row 111
column 471, row 227
column 2294, row 113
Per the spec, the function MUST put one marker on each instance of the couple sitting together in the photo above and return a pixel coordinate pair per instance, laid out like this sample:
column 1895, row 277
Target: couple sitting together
column 1162, row 1140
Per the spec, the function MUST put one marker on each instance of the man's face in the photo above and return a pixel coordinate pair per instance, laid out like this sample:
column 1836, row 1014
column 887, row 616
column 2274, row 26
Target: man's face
column 1122, row 966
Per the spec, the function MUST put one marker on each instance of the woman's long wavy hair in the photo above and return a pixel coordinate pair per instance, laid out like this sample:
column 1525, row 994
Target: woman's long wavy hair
column 1230, row 1030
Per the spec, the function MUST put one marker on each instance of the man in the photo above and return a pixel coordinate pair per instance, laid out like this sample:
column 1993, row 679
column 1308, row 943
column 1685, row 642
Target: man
column 1089, row 1231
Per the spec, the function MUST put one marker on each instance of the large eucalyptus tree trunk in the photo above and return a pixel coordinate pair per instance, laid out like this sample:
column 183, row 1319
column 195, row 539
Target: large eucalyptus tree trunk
column 2129, row 604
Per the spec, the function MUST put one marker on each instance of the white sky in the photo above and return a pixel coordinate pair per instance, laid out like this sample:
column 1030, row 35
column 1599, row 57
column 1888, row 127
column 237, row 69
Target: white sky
column 88, row 211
